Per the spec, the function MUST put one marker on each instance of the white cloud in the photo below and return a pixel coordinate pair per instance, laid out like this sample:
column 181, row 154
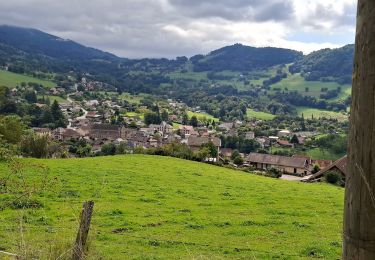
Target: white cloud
column 169, row 28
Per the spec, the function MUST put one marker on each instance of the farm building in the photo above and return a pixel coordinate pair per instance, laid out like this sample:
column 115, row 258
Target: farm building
column 288, row 165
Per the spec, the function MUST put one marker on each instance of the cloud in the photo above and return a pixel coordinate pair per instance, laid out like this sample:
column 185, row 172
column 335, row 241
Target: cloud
column 169, row 28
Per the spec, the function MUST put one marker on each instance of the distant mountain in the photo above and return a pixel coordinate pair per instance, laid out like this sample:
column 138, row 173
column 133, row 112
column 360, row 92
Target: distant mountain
column 25, row 50
column 238, row 57
column 327, row 65
column 40, row 43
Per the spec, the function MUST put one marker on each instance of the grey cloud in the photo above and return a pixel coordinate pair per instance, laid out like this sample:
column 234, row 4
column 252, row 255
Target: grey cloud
column 328, row 14
column 136, row 28
column 238, row 10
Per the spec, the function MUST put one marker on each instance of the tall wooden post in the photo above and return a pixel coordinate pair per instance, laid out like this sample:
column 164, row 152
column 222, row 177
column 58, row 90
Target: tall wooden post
column 83, row 231
column 359, row 216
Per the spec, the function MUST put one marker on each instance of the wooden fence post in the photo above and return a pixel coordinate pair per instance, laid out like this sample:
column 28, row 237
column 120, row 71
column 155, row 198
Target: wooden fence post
column 83, row 231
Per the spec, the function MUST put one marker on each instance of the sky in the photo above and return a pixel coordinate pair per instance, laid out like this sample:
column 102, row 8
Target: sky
column 170, row 28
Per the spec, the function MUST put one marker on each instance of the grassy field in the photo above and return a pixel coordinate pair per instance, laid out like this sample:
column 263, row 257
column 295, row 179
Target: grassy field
column 259, row 115
column 201, row 116
column 133, row 99
column 53, row 98
column 317, row 113
column 11, row 79
column 297, row 82
column 315, row 153
column 150, row 207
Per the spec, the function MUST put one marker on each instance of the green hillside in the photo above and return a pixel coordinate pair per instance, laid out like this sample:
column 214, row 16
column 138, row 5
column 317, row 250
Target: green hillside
column 11, row 79
column 296, row 82
column 149, row 207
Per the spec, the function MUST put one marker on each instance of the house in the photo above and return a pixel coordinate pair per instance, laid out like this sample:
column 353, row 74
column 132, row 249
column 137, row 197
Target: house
column 63, row 134
column 226, row 152
column 106, row 131
column 249, row 135
column 340, row 166
column 226, row 126
column 42, row 131
column 288, row 165
column 284, row 143
column 322, row 163
column 92, row 115
column 284, row 133
column 163, row 128
column 263, row 141
column 195, row 142
column 69, row 134
column 186, row 130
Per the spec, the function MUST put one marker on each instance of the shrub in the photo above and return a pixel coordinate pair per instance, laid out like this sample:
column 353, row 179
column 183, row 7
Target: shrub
column 238, row 160
column 274, row 172
column 333, row 177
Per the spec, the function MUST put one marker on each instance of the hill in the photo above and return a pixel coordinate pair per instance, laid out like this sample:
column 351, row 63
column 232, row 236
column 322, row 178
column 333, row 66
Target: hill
column 327, row 65
column 38, row 42
column 160, row 207
column 239, row 57
column 11, row 79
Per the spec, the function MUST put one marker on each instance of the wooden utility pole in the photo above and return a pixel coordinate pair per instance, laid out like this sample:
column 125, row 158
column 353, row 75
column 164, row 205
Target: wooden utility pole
column 359, row 216
column 83, row 231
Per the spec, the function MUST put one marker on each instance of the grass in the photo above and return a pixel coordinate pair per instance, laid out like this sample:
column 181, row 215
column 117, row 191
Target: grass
column 296, row 82
column 259, row 115
column 53, row 98
column 150, row 207
column 133, row 99
column 317, row 153
column 11, row 79
column 202, row 116
column 135, row 114
column 318, row 113
column 314, row 153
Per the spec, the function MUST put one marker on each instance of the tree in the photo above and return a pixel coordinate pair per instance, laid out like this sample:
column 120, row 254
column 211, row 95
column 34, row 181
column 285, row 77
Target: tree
column 238, row 160
column 152, row 118
column 58, row 116
column 194, row 121
column 108, row 149
column 36, row 146
column 211, row 148
column 31, row 97
column 294, row 140
column 164, row 116
column 359, row 213
column 235, row 154
column 185, row 119
column 47, row 117
column 316, row 169
column 11, row 129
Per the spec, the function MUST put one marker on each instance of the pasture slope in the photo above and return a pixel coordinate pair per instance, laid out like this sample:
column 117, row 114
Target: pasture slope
column 150, row 207
column 10, row 79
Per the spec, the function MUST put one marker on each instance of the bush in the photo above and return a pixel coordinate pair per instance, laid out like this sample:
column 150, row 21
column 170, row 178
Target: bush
column 333, row 177
column 238, row 160
column 274, row 172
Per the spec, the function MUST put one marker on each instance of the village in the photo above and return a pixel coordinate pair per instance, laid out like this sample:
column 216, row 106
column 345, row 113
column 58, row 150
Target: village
column 96, row 125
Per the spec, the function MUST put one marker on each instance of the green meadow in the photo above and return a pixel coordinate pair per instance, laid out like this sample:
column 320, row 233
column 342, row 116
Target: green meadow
column 251, row 113
column 296, row 82
column 53, row 98
column 11, row 79
column 318, row 113
column 202, row 116
column 150, row 207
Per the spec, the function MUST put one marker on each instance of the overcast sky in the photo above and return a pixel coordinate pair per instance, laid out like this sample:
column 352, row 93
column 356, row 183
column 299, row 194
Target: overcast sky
column 170, row 28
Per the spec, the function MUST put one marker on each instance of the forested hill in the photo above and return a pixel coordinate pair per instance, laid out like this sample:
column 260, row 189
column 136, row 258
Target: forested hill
column 38, row 42
column 244, row 58
column 25, row 50
column 327, row 65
